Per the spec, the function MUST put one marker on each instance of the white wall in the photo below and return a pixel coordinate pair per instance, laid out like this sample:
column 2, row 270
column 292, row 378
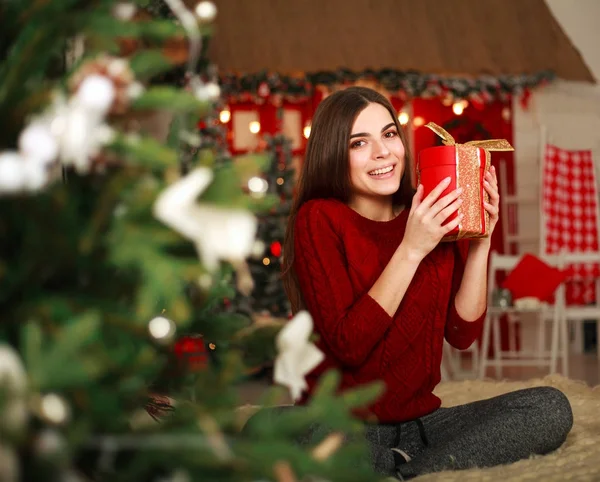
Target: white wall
column 580, row 20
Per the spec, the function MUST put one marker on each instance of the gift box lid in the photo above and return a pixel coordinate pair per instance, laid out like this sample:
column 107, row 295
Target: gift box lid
column 443, row 156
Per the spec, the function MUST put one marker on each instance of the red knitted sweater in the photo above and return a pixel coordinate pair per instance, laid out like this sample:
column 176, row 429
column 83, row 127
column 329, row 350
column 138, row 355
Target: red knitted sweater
column 339, row 255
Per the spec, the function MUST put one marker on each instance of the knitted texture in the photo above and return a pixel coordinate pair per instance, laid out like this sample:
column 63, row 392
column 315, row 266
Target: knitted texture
column 338, row 256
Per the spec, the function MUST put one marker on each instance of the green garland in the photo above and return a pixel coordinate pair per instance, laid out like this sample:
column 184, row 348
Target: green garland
column 274, row 88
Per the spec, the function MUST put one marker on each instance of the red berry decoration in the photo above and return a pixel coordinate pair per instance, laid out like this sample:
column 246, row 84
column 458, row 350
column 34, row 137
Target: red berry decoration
column 191, row 350
column 276, row 248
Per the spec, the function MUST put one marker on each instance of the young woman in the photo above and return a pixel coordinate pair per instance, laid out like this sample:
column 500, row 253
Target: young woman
column 363, row 255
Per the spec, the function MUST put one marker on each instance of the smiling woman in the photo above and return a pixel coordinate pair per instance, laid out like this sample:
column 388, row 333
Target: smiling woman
column 363, row 256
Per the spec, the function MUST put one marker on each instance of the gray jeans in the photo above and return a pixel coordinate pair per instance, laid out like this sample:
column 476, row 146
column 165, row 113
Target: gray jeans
column 485, row 433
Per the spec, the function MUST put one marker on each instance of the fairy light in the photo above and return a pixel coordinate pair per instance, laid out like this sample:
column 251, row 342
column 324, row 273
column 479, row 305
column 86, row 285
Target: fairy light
column 254, row 127
column 307, row 131
column 418, row 121
column 403, row 118
column 459, row 107
column 161, row 328
column 258, row 185
column 225, row 116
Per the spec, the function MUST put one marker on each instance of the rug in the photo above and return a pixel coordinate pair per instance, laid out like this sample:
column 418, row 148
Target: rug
column 579, row 457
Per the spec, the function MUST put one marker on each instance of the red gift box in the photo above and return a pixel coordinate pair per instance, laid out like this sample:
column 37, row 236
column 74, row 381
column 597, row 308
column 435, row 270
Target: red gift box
column 466, row 165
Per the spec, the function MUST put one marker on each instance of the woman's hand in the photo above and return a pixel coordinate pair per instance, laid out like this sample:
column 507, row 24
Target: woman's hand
column 425, row 226
column 490, row 184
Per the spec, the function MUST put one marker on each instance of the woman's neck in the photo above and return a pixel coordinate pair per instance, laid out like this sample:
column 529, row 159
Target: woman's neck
column 375, row 209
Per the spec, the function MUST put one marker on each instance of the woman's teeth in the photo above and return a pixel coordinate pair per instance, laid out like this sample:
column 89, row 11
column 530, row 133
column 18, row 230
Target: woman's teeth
column 384, row 170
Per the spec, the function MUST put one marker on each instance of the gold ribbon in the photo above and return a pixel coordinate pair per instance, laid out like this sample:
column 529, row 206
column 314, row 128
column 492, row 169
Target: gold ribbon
column 467, row 169
column 489, row 145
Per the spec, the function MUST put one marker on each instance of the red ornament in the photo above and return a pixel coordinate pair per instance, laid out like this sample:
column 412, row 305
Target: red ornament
column 191, row 350
column 276, row 248
column 264, row 90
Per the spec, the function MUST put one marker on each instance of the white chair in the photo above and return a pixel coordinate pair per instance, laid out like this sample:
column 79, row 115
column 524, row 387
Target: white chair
column 512, row 357
column 581, row 313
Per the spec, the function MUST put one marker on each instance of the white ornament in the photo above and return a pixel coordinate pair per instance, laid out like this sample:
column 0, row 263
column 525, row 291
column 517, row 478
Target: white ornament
column 54, row 408
column 258, row 185
column 80, row 132
column 220, row 234
column 12, row 173
column 206, row 11
column 35, row 175
column 297, row 356
column 161, row 328
column 124, row 10
column 208, row 92
column 19, row 174
column 13, row 383
column 96, row 94
column 37, row 143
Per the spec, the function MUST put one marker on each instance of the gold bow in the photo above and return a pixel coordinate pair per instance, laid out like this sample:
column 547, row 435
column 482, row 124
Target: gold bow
column 489, row 145
column 467, row 176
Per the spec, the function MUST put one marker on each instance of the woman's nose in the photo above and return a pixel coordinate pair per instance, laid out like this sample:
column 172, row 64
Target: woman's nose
column 381, row 150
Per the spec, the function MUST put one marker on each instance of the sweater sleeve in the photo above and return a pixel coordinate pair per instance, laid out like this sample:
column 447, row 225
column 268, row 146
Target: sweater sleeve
column 459, row 332
column 350, row 327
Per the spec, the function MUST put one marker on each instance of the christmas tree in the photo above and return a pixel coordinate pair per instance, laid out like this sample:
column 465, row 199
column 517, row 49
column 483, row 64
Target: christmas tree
column 120, row 234
column 265, row 265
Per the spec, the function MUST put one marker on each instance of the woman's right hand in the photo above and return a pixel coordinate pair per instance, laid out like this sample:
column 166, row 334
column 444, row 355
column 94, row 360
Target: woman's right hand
column 424, row 228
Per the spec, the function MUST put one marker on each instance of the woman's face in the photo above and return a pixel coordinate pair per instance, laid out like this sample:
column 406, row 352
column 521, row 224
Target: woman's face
column 375, row 153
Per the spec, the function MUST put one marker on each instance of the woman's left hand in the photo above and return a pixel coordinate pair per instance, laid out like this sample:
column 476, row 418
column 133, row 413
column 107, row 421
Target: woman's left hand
column 490, row 184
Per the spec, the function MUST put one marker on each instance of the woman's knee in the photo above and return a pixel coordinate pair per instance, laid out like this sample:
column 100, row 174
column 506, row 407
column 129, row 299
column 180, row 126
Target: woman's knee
column 554, row 413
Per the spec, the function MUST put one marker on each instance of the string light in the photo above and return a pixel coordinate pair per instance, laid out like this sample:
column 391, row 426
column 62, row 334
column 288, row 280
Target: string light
column 418, row 121
column 403, row 118
column 161, row 328
column 459, row 107
column 206, row 11
column 266, row 261
column 254, row 127
column 258, row 185
column 280, row 181
column 307, row 131
column 225, row 116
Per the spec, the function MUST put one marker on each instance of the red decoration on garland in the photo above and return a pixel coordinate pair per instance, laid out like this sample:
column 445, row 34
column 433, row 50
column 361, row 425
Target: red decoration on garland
column 264, row 90
column 276, row 248
column 191, row 350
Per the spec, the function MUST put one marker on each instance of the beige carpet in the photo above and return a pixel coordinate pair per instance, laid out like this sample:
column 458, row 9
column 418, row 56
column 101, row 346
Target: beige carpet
column 579, row 457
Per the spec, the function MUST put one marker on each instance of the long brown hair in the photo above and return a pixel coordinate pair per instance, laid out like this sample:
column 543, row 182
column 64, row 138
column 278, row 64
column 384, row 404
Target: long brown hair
column 325, row 172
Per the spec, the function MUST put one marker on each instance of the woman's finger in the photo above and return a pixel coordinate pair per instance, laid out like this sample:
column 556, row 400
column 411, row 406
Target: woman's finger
column 437, row 191
column 448, row 211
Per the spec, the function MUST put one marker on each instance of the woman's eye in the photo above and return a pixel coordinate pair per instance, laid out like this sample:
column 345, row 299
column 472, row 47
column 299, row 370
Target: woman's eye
column 357, row 144
column 389, row 134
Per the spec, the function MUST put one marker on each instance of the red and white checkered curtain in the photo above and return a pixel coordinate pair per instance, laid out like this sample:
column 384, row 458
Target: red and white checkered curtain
column 570, row 210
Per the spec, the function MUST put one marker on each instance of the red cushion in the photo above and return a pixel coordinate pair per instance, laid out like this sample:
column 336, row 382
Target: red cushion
column 532, row 277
